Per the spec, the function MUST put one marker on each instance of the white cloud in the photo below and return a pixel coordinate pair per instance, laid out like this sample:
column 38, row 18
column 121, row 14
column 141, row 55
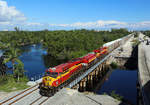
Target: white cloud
column 33, row 24
column 5, row 30
column 4, row 23
column 9, row 14
column 106, row 24
column 96, row 24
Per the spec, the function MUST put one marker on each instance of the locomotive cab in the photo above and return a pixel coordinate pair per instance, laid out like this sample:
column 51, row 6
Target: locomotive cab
column 49, row 78
column 47, row 82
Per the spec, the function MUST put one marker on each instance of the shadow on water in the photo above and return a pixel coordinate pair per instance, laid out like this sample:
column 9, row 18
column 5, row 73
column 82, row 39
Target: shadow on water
column 132, row 62
column 50, row 61
column 122, row 81
column 146, row 89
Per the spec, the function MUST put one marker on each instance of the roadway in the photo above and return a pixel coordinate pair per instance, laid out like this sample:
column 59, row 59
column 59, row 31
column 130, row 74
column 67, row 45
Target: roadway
column 144, row 69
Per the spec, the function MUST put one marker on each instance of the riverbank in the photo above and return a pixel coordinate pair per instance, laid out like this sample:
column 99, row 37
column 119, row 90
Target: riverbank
column 9, row 83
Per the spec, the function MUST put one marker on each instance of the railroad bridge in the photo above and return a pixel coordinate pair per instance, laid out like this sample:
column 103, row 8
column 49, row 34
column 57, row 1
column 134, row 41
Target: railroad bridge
column 95, row 74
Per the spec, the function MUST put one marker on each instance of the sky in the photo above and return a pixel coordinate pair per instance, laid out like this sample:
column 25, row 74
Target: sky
column 74, row 14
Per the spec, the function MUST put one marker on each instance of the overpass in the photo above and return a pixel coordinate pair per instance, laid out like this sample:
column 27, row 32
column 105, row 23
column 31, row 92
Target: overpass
column 144, row 69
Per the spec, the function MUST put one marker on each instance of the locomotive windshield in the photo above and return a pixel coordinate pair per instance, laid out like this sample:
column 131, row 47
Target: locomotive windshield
column 52, row 74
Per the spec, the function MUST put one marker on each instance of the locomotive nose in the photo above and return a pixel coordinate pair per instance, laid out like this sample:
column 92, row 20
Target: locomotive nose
column 47, row 81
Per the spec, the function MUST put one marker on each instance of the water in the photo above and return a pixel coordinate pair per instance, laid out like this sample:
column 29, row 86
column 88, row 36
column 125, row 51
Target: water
column 1, row 53
column 32, row 57
column 36, row 61
column 123, row 82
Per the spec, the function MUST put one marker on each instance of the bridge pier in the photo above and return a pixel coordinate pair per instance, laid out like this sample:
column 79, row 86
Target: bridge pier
column 91, row 80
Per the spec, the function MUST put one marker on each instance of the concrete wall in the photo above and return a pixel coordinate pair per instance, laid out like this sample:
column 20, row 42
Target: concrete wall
column 144, row 72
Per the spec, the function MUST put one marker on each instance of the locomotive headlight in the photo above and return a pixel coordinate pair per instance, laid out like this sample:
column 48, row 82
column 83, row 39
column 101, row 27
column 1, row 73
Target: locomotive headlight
column 48, row 79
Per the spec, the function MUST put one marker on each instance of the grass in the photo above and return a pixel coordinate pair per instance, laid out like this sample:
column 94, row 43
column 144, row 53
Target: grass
column 115, row 95
column 135, row 43
column 114, row 65
column 9, row 84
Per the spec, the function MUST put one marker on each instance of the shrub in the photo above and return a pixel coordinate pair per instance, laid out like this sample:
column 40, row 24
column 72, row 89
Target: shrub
column 114, row 65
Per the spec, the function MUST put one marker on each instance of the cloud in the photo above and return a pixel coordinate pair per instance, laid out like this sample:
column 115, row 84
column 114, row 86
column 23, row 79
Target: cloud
column 96, row 24
column 9, row 14
column 33, row 24
column 100, row 24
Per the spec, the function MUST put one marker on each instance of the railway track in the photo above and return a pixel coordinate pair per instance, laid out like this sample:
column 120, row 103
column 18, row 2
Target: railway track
column 39, row 101
column 19, row 96
column 24, row 95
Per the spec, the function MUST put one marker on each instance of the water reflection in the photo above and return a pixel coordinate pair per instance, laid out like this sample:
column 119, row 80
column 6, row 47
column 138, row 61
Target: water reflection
column 33, row 61
column 50, row 61
column 123, row 82
column 1, row 53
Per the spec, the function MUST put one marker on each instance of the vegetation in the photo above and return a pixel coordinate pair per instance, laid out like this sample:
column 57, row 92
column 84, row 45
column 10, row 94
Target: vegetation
column 146, row 33
column 62, row 44
column 114, row 95
column 16, row 80
column 135, row 43
column 3, row 67
column 113, row 65
column 8, row 83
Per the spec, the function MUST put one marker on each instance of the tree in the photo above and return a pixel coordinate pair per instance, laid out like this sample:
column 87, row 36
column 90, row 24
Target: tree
column 3, row 67
column 16, row 29
column 18, row 69
column 11, row 56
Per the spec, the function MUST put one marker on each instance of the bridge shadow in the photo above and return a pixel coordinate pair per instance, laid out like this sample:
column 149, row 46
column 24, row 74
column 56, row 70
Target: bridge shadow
column 146, row 89
column 132, row 62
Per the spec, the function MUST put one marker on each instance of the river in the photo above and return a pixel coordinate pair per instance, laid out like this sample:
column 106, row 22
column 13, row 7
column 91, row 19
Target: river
column 32, row 57
column 123, row 82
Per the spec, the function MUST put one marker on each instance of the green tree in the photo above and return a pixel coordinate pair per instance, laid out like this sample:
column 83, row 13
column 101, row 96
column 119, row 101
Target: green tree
column 18, row 69
column 11, row 55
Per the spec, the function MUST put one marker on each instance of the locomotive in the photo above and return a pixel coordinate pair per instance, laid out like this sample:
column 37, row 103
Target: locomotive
column 59, row 76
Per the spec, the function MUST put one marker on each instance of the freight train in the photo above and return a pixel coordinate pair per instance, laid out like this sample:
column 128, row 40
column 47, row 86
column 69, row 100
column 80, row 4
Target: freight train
column 59, row 76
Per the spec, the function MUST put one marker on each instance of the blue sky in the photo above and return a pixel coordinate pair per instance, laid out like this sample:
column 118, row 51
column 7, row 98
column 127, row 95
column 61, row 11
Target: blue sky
column 75, row 14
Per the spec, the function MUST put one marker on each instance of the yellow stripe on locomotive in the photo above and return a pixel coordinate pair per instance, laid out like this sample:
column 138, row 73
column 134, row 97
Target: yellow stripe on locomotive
column 49, row 81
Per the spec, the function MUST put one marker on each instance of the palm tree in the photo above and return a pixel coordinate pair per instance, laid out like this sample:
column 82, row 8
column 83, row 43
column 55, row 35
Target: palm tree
column 11, row 56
